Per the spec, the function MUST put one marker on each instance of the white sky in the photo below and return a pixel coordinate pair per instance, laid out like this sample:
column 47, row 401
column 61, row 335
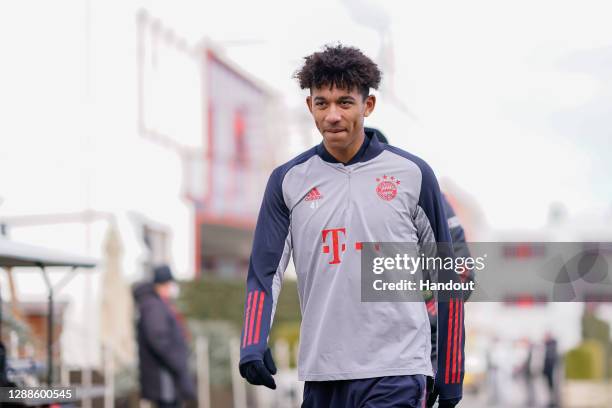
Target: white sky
column 512, row 101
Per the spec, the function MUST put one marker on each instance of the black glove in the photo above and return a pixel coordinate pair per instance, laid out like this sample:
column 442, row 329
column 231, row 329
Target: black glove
column 447, row 403
column 432, row 392
column 258, row 372
column 432, row 396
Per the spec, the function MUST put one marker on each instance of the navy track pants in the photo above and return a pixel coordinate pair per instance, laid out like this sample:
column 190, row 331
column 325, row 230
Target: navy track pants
column 404, row 391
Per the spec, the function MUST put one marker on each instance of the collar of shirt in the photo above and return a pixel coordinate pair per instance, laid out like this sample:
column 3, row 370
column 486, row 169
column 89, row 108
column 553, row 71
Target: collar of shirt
column 370, row 148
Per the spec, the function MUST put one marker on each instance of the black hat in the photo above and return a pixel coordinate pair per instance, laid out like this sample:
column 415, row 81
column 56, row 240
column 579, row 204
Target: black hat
column 162, row 274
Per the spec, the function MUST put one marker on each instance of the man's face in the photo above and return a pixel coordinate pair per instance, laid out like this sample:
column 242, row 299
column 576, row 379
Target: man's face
column 167, row 290
column 339, row 113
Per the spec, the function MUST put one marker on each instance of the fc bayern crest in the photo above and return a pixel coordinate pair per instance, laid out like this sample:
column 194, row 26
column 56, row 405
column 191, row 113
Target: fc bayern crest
column 387, row 187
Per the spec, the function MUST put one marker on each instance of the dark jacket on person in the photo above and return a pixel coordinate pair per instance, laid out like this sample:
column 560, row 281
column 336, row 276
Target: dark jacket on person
column 162, row 349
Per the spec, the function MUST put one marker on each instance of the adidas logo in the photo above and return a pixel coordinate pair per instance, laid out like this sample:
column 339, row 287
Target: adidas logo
column 313, row 195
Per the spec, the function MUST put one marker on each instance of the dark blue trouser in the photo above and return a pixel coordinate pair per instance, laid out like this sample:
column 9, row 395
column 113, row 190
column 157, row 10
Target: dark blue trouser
column 404, row 391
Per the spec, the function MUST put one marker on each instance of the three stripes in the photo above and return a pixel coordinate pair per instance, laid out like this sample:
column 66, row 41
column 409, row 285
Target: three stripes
column 454, row 352
column 252, row 319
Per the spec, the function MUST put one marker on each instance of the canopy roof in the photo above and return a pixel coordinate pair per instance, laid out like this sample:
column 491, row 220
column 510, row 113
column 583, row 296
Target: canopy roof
column 18, row 254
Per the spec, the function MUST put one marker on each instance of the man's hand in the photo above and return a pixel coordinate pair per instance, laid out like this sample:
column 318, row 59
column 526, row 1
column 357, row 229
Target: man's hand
column 258, row 372
column 431, row 400
column 432, row 396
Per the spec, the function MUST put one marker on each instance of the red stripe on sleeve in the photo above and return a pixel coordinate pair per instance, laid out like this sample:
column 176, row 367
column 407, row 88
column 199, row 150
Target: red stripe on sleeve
column 456, row 329
column 449, row 335
column 462, row 306
column 261, row 302
column 253, row 313
column 246, row 320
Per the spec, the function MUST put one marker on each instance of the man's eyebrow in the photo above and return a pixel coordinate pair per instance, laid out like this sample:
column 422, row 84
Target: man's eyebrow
column 341, row 98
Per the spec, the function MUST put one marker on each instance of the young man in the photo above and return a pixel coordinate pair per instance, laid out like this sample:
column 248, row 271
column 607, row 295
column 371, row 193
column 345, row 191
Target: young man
column 321, row 206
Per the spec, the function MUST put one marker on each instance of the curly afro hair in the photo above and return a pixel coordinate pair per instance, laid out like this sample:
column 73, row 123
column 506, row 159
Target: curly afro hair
column 340, row 66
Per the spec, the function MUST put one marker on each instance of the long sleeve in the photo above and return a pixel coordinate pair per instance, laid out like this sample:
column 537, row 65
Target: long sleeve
column 450, row 327
column 269, row 257
column 460, row 250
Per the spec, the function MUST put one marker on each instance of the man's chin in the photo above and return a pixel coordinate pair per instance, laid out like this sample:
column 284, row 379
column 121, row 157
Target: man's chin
column 336, row 139
column 339, row 144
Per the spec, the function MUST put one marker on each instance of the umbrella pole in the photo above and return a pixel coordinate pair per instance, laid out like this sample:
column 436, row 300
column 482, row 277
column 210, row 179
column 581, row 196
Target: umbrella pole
column 49, row 327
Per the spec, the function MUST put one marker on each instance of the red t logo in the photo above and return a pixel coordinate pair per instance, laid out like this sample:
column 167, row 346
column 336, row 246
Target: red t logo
column 335, row 244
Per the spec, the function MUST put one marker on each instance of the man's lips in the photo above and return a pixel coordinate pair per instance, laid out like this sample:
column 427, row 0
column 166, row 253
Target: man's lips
column 335, row 130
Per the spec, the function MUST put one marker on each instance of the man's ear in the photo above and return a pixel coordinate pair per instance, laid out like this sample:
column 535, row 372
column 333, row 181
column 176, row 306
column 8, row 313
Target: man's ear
column 370, row 103
column 309, row 103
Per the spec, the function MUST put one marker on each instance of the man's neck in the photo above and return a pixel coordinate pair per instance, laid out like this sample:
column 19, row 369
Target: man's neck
column 345, row 155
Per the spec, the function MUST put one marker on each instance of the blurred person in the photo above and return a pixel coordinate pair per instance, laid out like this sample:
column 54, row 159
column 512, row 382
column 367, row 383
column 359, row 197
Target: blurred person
column 525, row 372
column 5, row 383
column 162, row 343
column 460, row 249
column 320, row 207
column 3, row 362
column 494, row 362
column 549, row 368
column 379, row 135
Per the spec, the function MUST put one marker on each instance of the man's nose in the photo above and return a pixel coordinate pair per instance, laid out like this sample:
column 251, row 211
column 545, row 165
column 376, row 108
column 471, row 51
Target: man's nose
column 333, row 116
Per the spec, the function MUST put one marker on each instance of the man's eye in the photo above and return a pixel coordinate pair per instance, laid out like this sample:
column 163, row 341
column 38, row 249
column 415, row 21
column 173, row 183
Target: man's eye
column 320, row 103
column 346, row 103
